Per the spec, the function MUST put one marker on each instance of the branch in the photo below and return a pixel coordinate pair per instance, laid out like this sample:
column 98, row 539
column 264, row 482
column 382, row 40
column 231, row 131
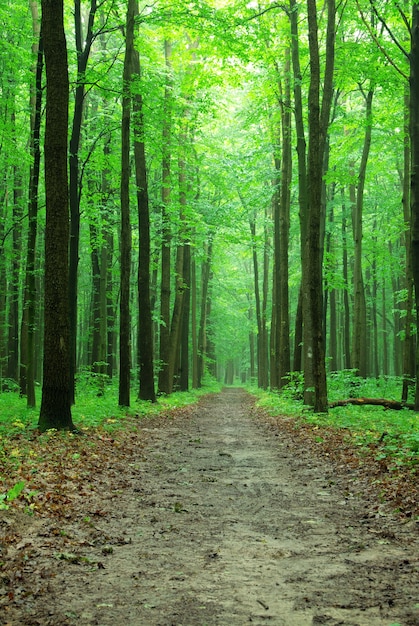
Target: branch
column 384, row 23
column 380, row 47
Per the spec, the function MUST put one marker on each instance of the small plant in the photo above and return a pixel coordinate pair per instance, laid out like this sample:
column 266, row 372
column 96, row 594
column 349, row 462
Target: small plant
column 11, row 495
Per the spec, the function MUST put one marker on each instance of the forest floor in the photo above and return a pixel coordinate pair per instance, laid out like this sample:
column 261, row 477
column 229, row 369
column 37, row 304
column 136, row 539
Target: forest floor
column 214, row 514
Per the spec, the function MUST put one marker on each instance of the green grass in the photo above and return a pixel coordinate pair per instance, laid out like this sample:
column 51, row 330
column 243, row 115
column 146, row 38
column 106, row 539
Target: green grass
column 396, row 431
column 93, row 409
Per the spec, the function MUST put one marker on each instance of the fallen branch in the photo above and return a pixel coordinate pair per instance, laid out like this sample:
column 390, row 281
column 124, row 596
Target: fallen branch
column 388, row 404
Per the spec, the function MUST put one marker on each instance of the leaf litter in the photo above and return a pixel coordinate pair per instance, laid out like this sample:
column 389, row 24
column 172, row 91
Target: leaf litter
column 215, row 513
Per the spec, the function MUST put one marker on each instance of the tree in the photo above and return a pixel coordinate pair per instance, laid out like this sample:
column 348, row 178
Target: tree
column 145, row 326
column 126, row 237
column 83, row 53
column 27, row 355
column 56, row 398
column 318, row 124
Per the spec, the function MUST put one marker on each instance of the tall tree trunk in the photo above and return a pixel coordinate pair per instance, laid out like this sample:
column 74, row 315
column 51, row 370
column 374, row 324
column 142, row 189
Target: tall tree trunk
column 414, row 176
column 346, row 308
column 359, row 348
column 302, row 331
column 145, row 325
column 56, row 397
column 205, row 278
column 318, row 118
column 409, row 346
column 259, row 343
column 194, row 324
column 164, row 380
column 27, row 355
column 12, row 370
column 3, row 283
column 184, row 346
column 176, row 318
column 126, row 236
column 264, row 345
column 284, row 361
column 83, row 52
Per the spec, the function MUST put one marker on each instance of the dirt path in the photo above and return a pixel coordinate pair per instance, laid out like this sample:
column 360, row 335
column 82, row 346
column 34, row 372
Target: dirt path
column 218, row 521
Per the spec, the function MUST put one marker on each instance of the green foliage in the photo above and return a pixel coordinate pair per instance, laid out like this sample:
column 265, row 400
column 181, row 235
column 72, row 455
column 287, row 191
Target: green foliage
column 396, row 432
column 11, row 495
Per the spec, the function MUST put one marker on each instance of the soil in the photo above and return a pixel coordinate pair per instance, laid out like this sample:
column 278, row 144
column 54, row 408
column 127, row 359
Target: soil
column 213, row 516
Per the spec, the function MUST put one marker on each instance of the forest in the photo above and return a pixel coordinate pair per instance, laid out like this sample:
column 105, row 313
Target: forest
column 208, row 190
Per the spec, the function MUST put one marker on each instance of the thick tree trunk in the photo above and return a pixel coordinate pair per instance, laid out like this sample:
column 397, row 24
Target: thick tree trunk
column 3, row 283
column 126, row 236
column 318, row 118
column 414, row 177
column 56, row 398
column 145, row 325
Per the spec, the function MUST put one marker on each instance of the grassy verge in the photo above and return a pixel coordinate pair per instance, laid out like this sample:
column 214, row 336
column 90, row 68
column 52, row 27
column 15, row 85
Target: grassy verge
column 382, row 444
column 30, row 463
column 393, row 435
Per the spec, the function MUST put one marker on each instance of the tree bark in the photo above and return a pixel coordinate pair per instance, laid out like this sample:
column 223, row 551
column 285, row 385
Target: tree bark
column 205, row 278
column 302, row 331
column 126, row 236
column 56, row 398
column 359, row 348
column 284, row 361
column 164, row 380
column 414, row 176
column 27, row 355
column 318, row 123
column 74, row 182
column 145, row 325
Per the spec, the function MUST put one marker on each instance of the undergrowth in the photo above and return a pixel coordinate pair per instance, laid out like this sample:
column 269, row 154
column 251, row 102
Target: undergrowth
column 394, row 435
column 26, row 455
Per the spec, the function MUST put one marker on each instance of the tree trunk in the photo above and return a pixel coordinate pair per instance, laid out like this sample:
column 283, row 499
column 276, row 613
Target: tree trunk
column 318, row 124
column 164, row 382
column 194, row 324
column 205, row 277
column 302, row 347
column 346, row 308
column 359, row 348
column 145, row 325
column 184, row 343
column 414, row 176
column 284, row 362
column 12, row 371
column 126, row 237
column 176, row 318
column 27, row 356
column 409, row 338
column 74, row 189
column 260, row 334
column 56, row 398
